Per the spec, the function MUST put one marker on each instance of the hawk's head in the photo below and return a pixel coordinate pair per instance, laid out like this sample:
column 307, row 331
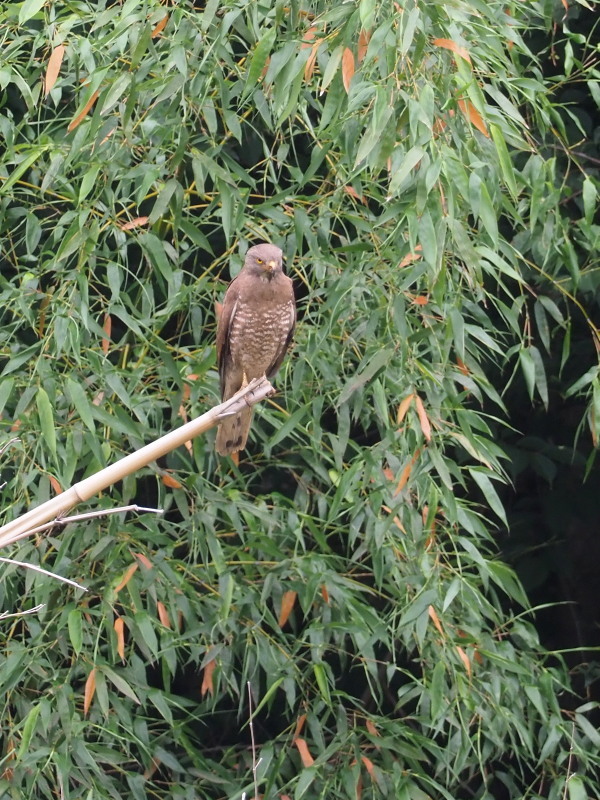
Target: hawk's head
column 264, row 260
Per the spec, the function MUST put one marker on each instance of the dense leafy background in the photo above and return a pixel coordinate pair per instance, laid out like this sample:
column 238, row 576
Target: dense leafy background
column 430, row 180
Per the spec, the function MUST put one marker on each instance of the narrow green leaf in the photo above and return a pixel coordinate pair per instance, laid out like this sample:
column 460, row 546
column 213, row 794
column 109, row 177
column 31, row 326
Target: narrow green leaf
column 46, row 418
column 120, row 683
column 28, row 729
column 82, row 403
column 29, row 9
column 75, row 623
column 576, row 787
column 259, row 58
column 490, row 493
column 528, row 369
column 371, row 367
column 506, row 165
column 21, row 169
column 589, row 199
column 409, row 162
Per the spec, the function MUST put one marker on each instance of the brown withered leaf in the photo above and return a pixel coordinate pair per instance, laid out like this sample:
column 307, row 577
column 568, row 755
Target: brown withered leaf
column 370, row 768
column 53, row 69
column 305, row 756
column 347, row 68
column 448, row 44
column 159, row 27
column 134, row 223
column 403, row 407
column 83, row 113
column 364, row 37
column 163, row 614
column 474, row 117
column 127, row 575
column 107, row 328
column 89, row 691
column 171, row 482
column 423, row 419
column 309, row 67
column 299, row 725
column 55, row 484
column 207, row 678
column 287, row 604
column 465, row 659
column 433, row 616
column 119, row 627
column 144, row 560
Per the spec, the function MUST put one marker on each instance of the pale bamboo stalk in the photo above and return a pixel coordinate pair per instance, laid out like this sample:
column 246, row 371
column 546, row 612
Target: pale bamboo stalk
column 257, row 390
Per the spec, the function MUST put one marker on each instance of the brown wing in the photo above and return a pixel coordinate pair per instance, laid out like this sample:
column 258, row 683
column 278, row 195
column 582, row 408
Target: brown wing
column 274, row 367
column 223, row 328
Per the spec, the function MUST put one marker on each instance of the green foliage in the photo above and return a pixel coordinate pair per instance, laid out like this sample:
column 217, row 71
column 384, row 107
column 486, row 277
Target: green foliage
column 402, row 156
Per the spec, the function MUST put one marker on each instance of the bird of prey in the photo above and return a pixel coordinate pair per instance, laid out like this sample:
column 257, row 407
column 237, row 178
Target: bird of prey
column 254, row 331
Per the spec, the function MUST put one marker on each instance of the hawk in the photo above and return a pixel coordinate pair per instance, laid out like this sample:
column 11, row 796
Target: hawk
column 254, row 331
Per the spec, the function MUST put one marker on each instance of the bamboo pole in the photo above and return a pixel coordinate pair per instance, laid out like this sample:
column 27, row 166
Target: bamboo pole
column 257, row 390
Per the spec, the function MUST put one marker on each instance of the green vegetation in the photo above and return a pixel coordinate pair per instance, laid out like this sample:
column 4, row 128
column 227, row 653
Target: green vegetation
column 411, row 160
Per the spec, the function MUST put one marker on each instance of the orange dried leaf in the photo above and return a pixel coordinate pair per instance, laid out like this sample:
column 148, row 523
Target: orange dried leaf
column 370, row 767
column 370, row 725
column 218, row 310
column 423, row 420
column 448, row 44
column 405, row 475
column 83, row 113
column 353, row 193
column 119, row 627
column 134, row 223
column 308, row 37
column 53, row 69
column 144, row 560
column 107, row 328
column 299, row 725
column 403, row 408
column 287, row 604
column 89, row 691
column 411, row 257
column 347, row 68
column 305, row 756
column 462, row 366
column 325, row 594
column 421, row 300
column 435, row 619
column 160, row 27
column 163, row 614
column 235, row 457
column 154, row 765
column 127, row 575
column 171, row 482
column 465, row 659
column 309, row 67
column 207, row 678
column 55, row 484
column 474, row 117
column 363, row 42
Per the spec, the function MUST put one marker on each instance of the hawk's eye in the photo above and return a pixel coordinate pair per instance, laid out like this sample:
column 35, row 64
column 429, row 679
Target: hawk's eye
column 259, row 261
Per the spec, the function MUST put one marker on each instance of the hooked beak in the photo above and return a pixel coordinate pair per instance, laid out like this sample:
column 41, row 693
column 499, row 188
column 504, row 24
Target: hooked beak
column 271, row 265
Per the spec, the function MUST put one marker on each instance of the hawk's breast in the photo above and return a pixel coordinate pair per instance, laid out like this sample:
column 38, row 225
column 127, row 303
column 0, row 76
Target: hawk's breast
column 258, row 333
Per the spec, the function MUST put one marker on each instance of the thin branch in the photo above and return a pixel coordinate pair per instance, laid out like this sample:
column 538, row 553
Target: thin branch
column 34, row 610
column 43, row 571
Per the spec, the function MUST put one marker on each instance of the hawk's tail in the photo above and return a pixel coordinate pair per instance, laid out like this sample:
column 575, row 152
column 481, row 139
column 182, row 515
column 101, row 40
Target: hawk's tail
column 233, row 432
